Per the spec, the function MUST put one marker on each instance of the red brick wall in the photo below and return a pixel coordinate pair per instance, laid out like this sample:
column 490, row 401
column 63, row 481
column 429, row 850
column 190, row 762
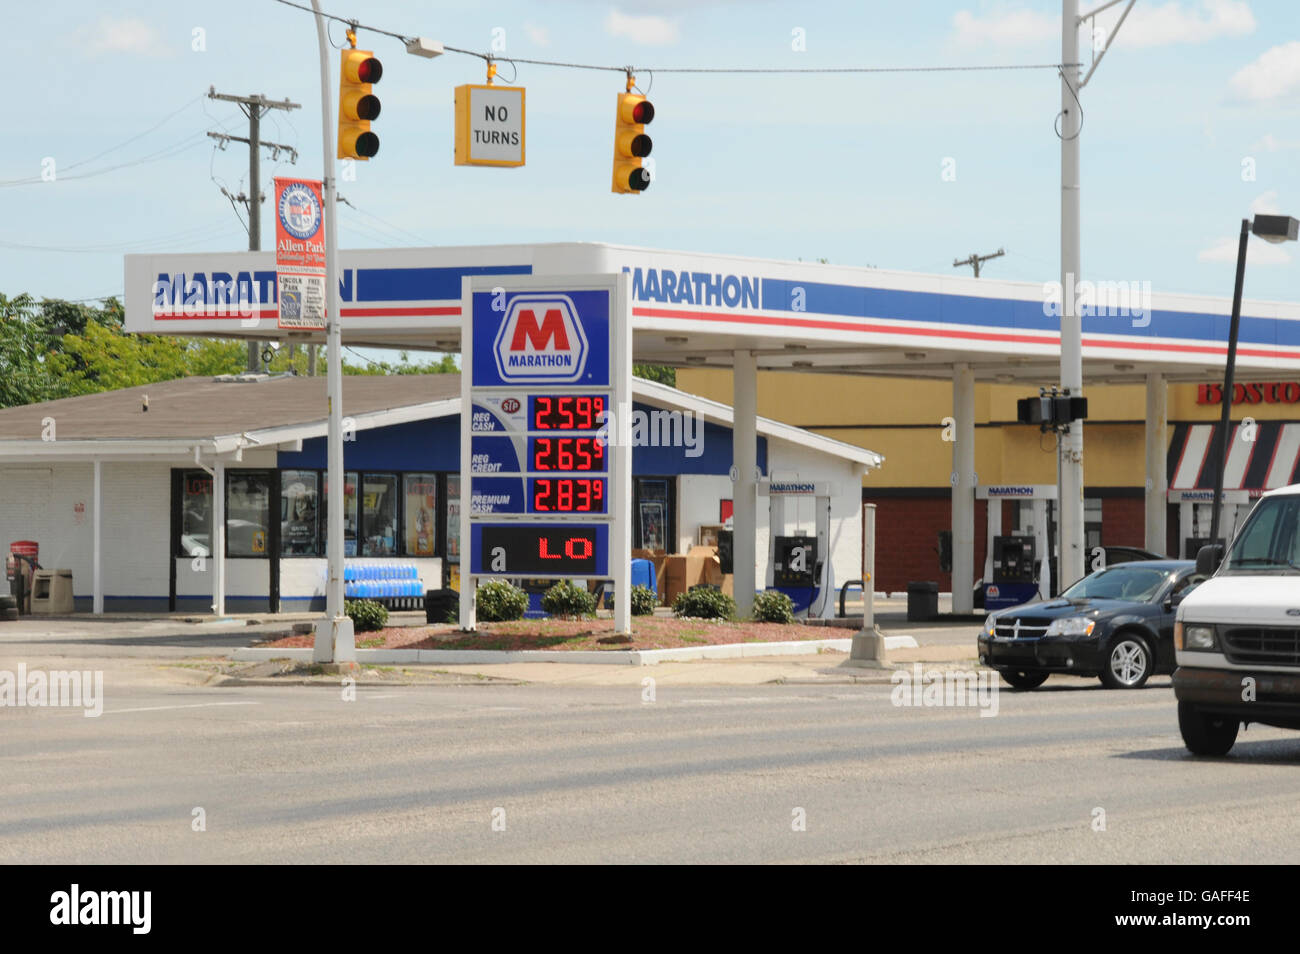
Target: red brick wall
column 907, row 540
column 1123, row 522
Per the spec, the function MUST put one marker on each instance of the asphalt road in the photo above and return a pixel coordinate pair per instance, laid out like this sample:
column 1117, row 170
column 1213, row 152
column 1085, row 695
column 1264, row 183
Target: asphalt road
column 592, row 774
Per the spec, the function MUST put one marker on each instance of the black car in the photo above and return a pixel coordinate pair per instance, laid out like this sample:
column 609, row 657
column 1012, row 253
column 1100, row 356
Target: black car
column 1111, row 557
column 1117, row 623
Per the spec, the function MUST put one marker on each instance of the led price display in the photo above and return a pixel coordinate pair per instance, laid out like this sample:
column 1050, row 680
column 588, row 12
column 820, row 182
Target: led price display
column 567, row 412
column 567, row 494
column 570, row 454
column 525, row 550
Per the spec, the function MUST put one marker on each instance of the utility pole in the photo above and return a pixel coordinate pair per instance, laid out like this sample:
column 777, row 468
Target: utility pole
column 976, row 260
column 1069, row 126
column 253, row 107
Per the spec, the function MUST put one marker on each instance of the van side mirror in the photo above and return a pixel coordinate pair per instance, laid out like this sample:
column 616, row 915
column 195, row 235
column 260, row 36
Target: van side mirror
column 1209, row 558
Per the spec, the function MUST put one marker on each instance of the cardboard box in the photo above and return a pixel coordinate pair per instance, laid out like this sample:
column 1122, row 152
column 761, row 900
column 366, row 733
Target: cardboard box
column 699, row 565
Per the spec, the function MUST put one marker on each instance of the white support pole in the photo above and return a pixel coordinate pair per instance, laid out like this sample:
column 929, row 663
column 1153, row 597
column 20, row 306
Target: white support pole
column 97, row 536
column 219, row 538
column 334, row 635
column 467, row 617
column 1157, row 479
column 1071, row 443
column 963, row 489
column 993, row 529
column 744, row 457
column 621, row 544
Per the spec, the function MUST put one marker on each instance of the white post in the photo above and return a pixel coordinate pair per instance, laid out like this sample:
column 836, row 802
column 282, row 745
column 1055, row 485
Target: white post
column 334, row 636
column 620, row 556
column 1071, row 444
column 97, row 536
column 993, row 529
column 468, row 618
column 219, row 538
column 744, row 458
column 867, row 650
column 963, row 489
column 1157, row 479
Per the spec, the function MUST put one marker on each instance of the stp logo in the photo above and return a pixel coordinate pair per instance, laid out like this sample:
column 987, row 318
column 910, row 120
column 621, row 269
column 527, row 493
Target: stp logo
column 541, row 340
column 510, row 405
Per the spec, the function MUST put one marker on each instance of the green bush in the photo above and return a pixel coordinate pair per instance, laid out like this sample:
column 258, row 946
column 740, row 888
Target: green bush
column 704, row 603
column 498, row 601
column 567, row 599
column 366, row 615
column 643, row 600
column 773, row 606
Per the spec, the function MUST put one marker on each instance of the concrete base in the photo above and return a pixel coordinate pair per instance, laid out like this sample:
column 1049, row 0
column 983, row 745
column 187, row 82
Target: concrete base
column 335, row 641
column 868, row 651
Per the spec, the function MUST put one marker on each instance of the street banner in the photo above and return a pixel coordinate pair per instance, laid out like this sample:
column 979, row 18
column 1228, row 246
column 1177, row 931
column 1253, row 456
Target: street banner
column 300, row 253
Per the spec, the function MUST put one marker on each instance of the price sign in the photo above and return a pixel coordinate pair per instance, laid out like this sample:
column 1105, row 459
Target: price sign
column 547, row 360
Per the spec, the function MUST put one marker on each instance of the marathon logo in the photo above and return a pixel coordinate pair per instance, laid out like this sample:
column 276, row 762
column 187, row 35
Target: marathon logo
column 541, row 340
column 221, row 294
column 1011, row 491
column 694, row 288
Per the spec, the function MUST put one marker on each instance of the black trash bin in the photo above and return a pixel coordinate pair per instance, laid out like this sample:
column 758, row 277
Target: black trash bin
column 440, row 606
column 922, row 601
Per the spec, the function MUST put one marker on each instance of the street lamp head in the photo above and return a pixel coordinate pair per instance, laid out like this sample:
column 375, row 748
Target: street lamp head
column 1275, row 228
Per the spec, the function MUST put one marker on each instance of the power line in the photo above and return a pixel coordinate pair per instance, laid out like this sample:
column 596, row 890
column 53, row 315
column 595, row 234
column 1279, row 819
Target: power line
column 355, row 25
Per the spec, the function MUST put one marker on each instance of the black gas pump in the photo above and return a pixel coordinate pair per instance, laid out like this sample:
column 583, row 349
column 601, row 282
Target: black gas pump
column 795, row 562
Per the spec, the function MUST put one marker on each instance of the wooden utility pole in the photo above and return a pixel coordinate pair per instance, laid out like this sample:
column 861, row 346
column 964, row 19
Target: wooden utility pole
column 976, row 260
column 254, row 107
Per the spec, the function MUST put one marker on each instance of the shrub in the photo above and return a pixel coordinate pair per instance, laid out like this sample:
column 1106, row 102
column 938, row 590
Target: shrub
column 643, row 600
column 366, row 615
column 567, row 599
column 704, row 603
column 498, row 601
column 773, row 606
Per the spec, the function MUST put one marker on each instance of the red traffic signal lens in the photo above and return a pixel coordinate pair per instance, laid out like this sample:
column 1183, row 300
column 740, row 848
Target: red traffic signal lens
column 642, row 113
column 367, row 145
column 370, row 70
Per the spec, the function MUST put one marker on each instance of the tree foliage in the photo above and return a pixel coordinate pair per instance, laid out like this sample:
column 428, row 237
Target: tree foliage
column 53, row 349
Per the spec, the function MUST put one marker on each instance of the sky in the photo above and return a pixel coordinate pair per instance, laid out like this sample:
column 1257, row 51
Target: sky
column 1191, row 122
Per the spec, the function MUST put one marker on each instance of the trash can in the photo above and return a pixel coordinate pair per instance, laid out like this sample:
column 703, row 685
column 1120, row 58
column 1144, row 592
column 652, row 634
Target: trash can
column 20, row 567
column 922, row 601
column 52, row 593
column 441, row 606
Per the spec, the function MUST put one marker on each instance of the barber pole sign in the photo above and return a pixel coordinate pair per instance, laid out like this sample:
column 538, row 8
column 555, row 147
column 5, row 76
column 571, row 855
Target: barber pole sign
column 300, row 254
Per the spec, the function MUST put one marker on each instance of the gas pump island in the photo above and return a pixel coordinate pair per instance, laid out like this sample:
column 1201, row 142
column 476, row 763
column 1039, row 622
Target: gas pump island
column 547, row 379
column 1017, row 568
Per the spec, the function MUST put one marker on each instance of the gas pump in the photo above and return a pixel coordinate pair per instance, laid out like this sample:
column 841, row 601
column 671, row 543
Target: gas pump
column 799, row 562
column 1195, row 510
column 1017, row 568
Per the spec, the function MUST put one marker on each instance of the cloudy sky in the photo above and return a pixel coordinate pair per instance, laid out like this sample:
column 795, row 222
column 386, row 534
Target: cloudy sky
column 1190, row 123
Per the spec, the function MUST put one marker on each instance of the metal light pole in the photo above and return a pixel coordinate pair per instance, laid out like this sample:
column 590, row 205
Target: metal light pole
column 1271, row 228
column 334, row 635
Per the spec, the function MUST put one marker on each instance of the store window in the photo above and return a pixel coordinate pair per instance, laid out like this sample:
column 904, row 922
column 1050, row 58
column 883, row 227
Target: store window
column 349, row 513
column 196, row 514
column 652, row 515
column 300, row 532
column 1092, row 523
column 379, row 515
column 453, row 516
column 248, row 513
column 420, row 494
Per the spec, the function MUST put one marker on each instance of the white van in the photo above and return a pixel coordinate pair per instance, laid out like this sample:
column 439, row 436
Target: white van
column 1237, row 635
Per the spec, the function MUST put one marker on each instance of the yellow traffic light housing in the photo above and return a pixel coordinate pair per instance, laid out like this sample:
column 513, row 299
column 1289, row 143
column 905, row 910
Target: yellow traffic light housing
column 358, row 72
column 631, row 144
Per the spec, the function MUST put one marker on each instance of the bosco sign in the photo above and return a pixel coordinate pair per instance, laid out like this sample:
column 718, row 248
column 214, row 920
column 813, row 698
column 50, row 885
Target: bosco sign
column 1251, row 392
column 489, row 125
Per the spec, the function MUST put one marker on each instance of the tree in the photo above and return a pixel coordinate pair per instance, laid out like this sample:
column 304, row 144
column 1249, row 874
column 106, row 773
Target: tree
column 656, row 372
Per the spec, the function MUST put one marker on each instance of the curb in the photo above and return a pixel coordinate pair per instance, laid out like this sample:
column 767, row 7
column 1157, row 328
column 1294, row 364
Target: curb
column 636, row 657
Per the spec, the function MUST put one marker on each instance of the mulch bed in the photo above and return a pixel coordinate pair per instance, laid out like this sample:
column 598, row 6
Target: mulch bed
column 585, row 634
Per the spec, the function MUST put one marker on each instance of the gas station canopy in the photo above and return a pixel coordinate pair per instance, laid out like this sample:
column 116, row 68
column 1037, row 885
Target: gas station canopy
column 698, row 310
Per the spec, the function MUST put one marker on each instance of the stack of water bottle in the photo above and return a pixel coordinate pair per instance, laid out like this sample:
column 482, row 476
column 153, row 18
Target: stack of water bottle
column 381, row 581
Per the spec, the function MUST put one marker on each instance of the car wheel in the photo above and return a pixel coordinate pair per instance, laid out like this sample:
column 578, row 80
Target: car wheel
column 1129, row 663
column 1023, row 678
column 1206, row 734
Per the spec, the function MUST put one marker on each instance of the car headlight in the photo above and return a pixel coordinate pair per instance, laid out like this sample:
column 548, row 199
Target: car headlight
column 989, row 626
column 1195, row 637
column 1071, row 626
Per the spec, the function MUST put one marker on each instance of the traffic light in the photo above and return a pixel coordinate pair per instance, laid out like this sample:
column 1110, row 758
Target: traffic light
column 357, row 104
column 1051, row 410
column 631, row 144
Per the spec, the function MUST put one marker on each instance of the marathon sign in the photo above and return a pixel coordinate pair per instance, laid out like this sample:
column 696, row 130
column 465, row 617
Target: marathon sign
column 1251, row 392
column 541, row 341
column 1016, row 492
